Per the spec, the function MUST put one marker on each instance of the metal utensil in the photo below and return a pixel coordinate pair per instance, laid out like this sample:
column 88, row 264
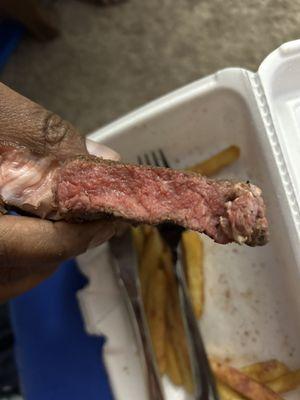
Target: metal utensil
column 204, row 384
column 125, row 264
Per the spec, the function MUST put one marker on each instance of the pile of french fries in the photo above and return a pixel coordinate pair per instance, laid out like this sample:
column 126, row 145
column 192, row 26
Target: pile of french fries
column 161, row 300
column 259, row 381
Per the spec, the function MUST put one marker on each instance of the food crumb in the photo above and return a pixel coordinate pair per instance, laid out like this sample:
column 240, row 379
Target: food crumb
column 246, row 333
column 227, row 294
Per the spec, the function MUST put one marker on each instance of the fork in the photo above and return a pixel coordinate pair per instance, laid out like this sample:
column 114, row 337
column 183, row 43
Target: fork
column 125, row 267
column 204, row 384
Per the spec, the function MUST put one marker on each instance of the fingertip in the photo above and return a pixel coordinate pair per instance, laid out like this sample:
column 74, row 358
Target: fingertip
column 101, row 150
column 80, row 237
column 105, row 232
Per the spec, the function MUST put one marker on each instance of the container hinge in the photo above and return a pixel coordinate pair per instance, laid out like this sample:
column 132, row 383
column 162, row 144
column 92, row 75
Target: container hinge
column 265, row 112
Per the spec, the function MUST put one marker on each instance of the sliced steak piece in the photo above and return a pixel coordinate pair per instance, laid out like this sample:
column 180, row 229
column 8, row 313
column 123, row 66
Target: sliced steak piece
column 86, row 188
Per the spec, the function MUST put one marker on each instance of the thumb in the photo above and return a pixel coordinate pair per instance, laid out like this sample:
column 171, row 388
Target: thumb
column 25, row 123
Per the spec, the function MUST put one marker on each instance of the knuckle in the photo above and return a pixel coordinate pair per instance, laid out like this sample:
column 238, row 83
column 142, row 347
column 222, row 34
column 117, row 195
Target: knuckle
column 55, row 129
column 59, row 137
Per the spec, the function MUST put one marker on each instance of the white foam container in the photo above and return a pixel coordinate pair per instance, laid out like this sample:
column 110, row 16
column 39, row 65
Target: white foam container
column 252, row 309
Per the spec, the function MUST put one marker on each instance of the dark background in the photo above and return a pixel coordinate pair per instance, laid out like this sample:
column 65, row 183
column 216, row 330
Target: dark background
column 110, row 60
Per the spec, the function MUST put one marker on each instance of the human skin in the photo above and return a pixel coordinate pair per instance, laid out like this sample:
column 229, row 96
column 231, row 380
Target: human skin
column 31, row 249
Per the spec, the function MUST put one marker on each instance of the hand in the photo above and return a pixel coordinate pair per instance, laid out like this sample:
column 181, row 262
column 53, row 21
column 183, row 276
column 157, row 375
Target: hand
column 31, row 248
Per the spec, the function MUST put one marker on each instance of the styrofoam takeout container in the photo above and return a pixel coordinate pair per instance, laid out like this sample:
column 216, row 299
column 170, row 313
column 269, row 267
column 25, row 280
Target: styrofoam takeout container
column 252, row 309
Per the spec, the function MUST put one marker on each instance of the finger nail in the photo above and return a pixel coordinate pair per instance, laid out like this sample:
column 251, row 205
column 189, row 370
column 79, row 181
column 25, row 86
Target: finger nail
column 102, row 236
column 100, row 150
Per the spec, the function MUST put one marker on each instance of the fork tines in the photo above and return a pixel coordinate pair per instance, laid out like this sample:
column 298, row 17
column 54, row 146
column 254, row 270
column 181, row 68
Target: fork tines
column 158, row 159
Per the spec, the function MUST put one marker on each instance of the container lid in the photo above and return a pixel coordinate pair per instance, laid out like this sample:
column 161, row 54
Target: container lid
column 279, row 76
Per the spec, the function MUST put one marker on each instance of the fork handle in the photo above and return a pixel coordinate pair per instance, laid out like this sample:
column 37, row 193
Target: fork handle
column 195, row 343
column 141, row 328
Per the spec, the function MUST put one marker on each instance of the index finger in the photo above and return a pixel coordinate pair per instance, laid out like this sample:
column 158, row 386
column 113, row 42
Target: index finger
column 34, row 242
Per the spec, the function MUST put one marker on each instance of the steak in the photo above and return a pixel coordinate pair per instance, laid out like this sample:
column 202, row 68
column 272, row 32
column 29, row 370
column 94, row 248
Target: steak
column 88, row 188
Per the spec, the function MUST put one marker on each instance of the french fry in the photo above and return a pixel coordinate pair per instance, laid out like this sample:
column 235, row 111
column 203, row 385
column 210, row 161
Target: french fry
column 179, row 343
column 265, row 371
column 241, row 383
column 138, row 240
column 285, row 383
column 177, row 335
column 155, row 311
column 147, row 229
column 150, row 258
column 192, row 247
column 175, row 325
column 172, row 368
column 216, row 162
column 226, row 393
column 172, row 362
column 166, row 260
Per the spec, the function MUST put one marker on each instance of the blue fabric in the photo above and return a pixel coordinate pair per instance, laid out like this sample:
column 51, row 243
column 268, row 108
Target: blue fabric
column 56, row 359
column 10, row 35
